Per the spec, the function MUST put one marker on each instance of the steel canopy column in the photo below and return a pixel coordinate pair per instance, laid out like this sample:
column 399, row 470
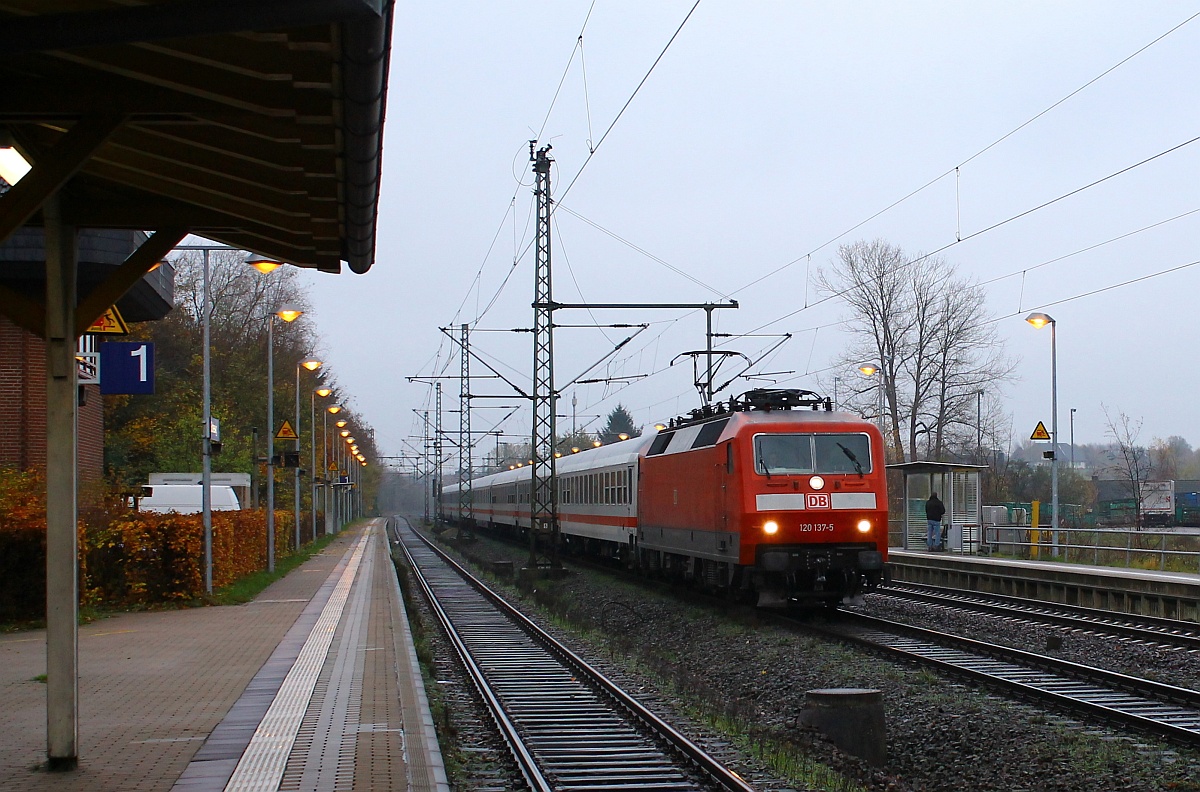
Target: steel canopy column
column 543, row 495
column 62, row 567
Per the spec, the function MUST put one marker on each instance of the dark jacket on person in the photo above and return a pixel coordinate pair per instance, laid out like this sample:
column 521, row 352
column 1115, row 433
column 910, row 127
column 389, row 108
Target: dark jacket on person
column 934, row 508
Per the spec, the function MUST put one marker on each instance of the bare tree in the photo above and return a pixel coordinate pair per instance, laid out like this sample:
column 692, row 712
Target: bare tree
column 1170, row 456
column 929, row 333
column 1131, row 462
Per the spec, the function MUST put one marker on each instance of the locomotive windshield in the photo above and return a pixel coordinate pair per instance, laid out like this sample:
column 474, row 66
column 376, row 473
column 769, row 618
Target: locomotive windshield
column 781, row 454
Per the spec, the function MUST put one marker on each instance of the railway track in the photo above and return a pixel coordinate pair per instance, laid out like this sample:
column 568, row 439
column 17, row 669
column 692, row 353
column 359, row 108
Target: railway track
column 1151, row 707
column 568, row 727
column 1147, row 629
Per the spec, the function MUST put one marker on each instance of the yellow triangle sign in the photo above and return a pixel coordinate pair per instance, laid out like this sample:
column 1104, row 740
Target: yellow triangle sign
column 286, row 432
column 110, row 322
column 1040, row 432
column 333, row 466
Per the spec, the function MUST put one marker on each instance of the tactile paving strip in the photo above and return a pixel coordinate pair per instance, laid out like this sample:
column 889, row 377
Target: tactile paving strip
column 262, row 765
column 322, row 758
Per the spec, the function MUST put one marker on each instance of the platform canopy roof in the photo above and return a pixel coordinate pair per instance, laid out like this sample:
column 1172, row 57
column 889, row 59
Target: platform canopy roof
column 255, row 123
column 935, row 467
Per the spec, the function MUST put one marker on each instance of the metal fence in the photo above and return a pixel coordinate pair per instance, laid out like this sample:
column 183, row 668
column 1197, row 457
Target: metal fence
column 1165, row 550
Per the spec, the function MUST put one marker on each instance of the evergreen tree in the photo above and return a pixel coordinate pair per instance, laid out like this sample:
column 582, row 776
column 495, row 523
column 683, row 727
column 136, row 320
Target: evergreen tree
column 620, row 422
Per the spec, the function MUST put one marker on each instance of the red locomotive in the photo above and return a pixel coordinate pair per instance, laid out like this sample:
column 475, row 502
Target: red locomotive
column 771, row 494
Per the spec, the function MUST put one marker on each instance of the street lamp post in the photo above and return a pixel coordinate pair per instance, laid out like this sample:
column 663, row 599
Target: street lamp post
column 286, row 313
column 322, row 392
column 262, row 265
column 332, row 409
column 271, row 443
column 312, row 364
column 979, row 426
column 206, row 443
column 1040, row 320
column 870, row 370
column 336, row 494
column 1072, row 438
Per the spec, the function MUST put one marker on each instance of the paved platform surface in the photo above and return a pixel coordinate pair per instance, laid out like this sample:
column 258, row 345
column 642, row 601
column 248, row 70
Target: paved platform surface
column 313, row 686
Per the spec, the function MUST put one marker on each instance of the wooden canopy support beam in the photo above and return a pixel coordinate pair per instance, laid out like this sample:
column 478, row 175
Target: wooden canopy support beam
column 122, row 279
column 52, row 170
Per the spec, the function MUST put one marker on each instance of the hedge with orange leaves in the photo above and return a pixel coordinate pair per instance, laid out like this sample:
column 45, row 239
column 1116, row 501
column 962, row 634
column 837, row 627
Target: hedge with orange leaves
column 22, row 545
column 125, row 557
column 141, row 557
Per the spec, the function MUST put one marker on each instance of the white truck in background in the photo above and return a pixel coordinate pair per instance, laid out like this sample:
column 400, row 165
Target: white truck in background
column 185, row 498
column 1158, row 502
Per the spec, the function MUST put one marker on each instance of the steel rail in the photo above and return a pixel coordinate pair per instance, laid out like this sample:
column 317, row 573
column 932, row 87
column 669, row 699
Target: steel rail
column 1152, row 629
column 508, row 730
column 594, row 767
column 1165, row 710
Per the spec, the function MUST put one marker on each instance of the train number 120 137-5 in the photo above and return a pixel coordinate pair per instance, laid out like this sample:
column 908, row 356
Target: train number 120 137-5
column 810, row 527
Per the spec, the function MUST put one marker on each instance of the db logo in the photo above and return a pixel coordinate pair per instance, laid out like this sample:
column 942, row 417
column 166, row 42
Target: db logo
column 817, row 500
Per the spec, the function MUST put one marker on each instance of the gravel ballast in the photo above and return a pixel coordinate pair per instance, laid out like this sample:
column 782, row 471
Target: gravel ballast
column 698, row 665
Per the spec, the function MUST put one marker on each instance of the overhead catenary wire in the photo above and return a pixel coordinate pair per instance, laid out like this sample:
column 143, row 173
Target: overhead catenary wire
column 956, row 168
column 958, row 234
column 994, row 226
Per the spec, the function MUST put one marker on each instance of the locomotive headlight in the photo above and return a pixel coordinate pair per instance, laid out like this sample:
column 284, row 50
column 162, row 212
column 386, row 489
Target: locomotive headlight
column 864, row 526
column 770, row 527
column 816, row 482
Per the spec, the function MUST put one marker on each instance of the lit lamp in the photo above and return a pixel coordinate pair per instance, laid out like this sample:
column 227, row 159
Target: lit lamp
column 870, row 370
column 13, row 166
column 1040, row 320
column 262, row 263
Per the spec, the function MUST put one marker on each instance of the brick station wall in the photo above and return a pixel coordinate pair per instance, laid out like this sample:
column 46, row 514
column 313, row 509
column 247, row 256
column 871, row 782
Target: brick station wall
column 23, row 407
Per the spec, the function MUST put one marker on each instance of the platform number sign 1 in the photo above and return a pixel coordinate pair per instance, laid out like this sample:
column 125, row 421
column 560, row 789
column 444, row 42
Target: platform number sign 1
column 127, row 367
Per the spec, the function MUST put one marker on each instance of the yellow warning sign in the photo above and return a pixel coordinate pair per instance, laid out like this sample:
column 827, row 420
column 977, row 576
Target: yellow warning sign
column 333, row 466
column 1040, row 432
column 111, row 322
column 286, row 432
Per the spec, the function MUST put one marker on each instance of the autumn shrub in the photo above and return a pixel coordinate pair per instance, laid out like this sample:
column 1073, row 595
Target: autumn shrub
column 126, row 558
column 22, row 544
column 143, row 558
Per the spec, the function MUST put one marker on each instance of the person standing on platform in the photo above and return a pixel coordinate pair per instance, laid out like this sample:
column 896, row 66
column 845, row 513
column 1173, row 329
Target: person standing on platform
column 934, row 510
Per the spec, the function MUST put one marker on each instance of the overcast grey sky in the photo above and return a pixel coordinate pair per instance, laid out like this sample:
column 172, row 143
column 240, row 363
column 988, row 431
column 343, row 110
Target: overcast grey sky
column 766, row 135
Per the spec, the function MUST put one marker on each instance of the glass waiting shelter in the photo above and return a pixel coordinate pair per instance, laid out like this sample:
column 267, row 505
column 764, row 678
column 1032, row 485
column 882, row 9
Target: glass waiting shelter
column 958, row 487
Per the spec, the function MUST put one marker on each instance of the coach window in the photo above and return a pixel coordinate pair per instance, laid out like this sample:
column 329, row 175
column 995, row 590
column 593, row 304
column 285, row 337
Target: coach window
column 729, row 457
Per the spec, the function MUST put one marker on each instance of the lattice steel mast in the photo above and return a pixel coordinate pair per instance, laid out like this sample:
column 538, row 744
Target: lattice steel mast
column 543, row 496
column 437, row 455
column 465, row 500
